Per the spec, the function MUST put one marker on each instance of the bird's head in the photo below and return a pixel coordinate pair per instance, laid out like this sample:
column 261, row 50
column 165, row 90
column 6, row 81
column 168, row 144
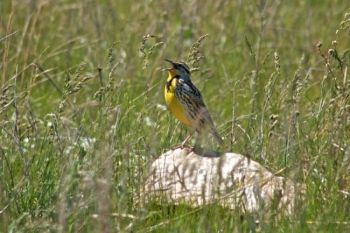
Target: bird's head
column 179, row 69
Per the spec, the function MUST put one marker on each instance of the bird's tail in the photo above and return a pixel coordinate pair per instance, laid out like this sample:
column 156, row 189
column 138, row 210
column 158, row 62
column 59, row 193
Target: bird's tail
column 216, row 136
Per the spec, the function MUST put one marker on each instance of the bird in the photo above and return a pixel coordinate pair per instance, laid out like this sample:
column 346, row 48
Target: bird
column 186, row 103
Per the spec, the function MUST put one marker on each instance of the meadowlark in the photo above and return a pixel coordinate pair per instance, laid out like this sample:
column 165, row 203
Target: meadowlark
column 185, row 101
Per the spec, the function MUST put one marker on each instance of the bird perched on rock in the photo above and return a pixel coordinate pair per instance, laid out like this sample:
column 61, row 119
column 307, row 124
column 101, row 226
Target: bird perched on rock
column 185, row 101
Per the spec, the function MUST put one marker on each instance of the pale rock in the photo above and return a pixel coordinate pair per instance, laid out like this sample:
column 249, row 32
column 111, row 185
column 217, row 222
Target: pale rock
column 230, row 180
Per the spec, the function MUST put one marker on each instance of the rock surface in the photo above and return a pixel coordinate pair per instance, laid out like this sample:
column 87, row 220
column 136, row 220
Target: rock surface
column 230, row 180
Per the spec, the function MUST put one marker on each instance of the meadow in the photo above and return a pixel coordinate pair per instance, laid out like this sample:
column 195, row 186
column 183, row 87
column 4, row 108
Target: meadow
column 82, row 112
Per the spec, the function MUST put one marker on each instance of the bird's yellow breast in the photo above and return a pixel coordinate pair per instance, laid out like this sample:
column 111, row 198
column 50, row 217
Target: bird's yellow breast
column 174, row 105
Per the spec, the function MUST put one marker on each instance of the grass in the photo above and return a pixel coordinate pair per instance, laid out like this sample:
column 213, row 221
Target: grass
column 82, row 111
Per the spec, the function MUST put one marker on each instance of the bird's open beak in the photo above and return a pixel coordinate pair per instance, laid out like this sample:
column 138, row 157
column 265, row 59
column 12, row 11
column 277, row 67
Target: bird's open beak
column 171, row 70
column 171, row 62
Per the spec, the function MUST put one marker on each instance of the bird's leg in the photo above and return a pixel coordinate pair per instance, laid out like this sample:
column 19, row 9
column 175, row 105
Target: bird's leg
column 186, row 140
column 183, row 144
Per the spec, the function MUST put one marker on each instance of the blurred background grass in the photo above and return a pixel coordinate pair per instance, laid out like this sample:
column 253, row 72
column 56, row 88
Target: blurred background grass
column 82, row 111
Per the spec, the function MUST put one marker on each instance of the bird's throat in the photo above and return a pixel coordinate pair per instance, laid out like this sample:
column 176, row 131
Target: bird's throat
column 171, row 82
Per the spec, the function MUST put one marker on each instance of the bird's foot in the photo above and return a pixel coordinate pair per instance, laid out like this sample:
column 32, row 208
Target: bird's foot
column 183, row 147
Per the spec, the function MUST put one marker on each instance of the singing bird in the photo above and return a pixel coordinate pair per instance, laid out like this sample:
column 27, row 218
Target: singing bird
column 185, row 101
